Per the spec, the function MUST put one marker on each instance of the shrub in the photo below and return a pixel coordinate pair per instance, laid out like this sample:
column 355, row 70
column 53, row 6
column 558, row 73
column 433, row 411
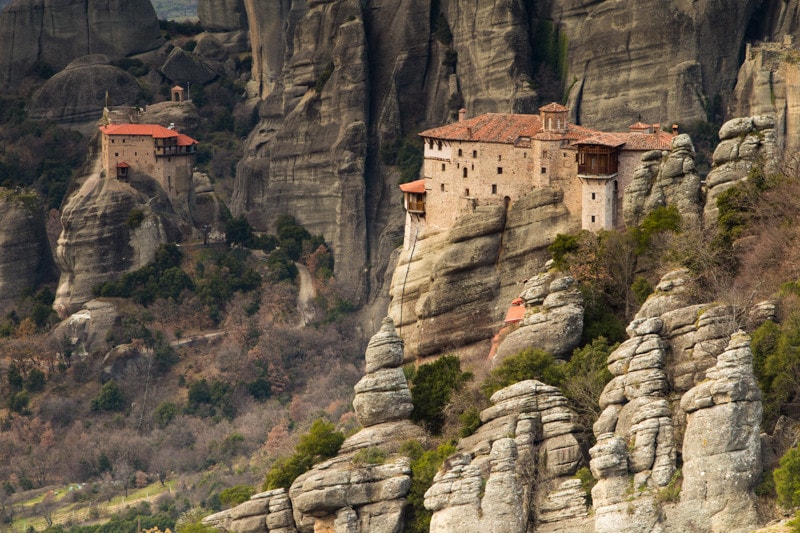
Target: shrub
column 165, row 413
column 560, row 247
column 424, row 465
column 369, row 456
column 35, row 380
column 587, row 481
column 787, row 479
column 470, row 421
column 135, row 219
column 531, row 363
column 110, row 398
column 431, row 387
column 238, row 231
column 585, row 376
column 235, row 495
column 324, row 76
column 321, row 442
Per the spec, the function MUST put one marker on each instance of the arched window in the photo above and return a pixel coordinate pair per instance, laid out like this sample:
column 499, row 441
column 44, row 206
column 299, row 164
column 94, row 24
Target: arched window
column 460, row 152
column 465, row 172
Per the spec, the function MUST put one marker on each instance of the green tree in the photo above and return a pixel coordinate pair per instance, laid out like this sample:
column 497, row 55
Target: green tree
column 432, row 384
column 424, row 466
column 787, row 479
column 531, row 363
column 321, row 442
column 238, row 231
column 110, row 398
column 235, row 495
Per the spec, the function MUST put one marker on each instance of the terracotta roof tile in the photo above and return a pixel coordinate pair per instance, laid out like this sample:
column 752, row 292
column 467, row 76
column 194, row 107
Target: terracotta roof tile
column 151, row 130
column 503, row 128
column 554, row 107
column 417, row 186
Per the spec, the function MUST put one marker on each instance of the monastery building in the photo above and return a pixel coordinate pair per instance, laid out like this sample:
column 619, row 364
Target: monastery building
column 497, row 158
column 161, row 153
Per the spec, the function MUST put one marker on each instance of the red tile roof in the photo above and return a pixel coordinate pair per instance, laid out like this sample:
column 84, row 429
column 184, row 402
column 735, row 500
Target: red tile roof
column 502, row 128
column 605, row 139
column 417, row 186
column 151, row 130
column 553, row 107
column 661, row 140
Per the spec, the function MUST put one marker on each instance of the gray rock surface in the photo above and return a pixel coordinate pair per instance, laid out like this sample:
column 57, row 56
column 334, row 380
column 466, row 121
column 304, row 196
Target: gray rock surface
column 227, row 15
column 744, row 142
column 55, row 33
column 456, row 286
column 78, row 93
column 516, row 470
column 553, row 321
column 662, row 180
column 722, row 446
column 25, row 257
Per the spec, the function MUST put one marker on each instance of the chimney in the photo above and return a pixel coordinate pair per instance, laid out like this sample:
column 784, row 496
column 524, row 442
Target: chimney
column 674, row 130
column 462, row 114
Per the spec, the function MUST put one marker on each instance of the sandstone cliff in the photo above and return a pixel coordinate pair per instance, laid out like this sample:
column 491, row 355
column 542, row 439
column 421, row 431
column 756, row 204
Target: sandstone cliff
column 455, row 287
column 55, row 33
column 744, row 143
column 25, row 258
column 96, row 243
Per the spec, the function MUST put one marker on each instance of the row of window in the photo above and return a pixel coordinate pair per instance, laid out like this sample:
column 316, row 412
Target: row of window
column 466, row 191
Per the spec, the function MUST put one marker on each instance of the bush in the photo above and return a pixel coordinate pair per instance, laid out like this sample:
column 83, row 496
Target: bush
column 135, row 219
column 369, row 456
column 431, row 387
column 233, row 496
column 321, row 442
column 110, row 398
column 560, row 247
column 35, row 380
column 424, row 466
column 165, row 413
column 787, row 479
column 324, row 76
column 238, row 231
column 531, row 363
column 470, row 421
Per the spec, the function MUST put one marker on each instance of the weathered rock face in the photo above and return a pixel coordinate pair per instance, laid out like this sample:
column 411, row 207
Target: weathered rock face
column 25, row 258
column 455, row 287
column 307, row 157
column 365, row 498
column 228, row 15
column 55, row 33
column 744, row 142
column 769, row 84
column 516, row 470
column 86, row 329
column 95, row 244
column 721, row 446
column 676, row 350
column 663, row 61
column 665, row 179
column 78, row 93
column 266, row 512
column 553, row 320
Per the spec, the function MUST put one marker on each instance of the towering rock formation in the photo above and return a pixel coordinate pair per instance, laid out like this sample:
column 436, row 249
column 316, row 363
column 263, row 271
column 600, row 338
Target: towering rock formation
column 451, row 288
column 307, row 157
column 744, row 142
column 344, row 493
column 516, row 470
column 769, row 84
column 676, row 351
column 25, row 258
column 54, row 33
column 96, row 243
column 229, row 15
column 665, row 179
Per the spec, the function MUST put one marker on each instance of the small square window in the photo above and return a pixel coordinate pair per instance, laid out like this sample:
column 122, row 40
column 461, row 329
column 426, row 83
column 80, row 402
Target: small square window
column 474, row 153
column 593, row 196
column 524, row 154
column 444, row 167
column 466, row 193
column 592, row 218
column 494, row 188
column 544, row 153
column 544, row 170
column 499, row 157
column 442, row 187
column 116, row 154
column 460, row 152
column 499, row 170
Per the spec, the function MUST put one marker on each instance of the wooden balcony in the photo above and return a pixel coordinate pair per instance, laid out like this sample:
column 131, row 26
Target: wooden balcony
column 416, row 207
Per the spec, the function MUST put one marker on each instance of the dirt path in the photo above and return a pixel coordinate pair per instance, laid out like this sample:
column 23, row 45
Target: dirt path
column 305, row 296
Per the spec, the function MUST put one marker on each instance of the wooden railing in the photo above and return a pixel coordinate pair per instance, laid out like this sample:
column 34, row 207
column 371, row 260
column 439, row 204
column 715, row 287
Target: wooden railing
column 416, row 207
